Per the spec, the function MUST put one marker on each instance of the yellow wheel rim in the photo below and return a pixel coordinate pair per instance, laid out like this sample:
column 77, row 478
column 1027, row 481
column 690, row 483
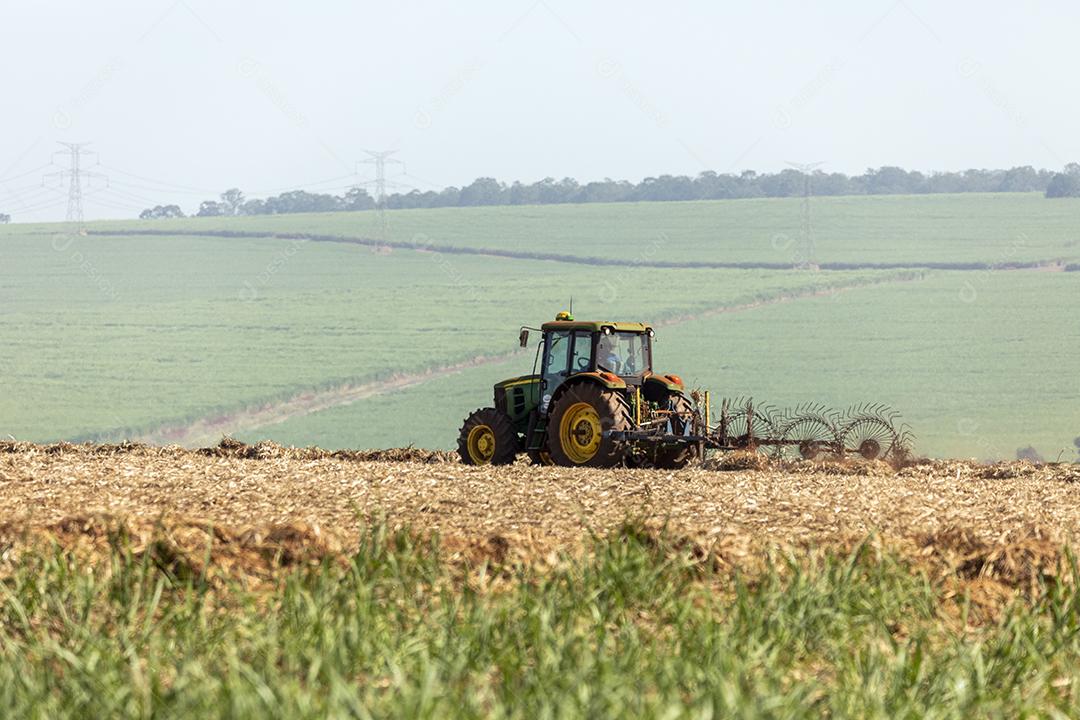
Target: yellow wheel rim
column 481, row 444
column 580, row 432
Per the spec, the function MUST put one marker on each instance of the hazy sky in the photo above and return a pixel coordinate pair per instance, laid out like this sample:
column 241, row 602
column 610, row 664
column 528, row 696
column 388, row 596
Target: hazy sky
column 197, row 96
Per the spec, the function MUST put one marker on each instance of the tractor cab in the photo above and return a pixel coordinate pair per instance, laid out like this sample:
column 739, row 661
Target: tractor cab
column 616, row 352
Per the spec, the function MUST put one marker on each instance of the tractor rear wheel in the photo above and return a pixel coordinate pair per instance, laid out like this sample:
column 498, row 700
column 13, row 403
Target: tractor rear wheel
column 577, row 423
column 676, row 457
column 487, row 438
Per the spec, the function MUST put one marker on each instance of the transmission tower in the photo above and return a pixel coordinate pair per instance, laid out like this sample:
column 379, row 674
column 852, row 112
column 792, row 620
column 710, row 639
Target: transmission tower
column 808, row 261
column 380, row 159
column 74, row 177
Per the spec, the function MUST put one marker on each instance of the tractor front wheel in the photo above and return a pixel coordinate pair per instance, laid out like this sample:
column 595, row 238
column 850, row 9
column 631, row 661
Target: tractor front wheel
column 577, row 424
column 487, row 438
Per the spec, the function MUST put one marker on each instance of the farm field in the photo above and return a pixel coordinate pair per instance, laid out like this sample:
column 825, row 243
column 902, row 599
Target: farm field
column 179, row 338
column 112, row 336
column 427, row 589
column 969, row 358
column 965, row 228
column 979, row 380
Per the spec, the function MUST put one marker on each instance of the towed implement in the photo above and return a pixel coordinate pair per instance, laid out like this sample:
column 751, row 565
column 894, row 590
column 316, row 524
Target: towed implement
column 595, row 400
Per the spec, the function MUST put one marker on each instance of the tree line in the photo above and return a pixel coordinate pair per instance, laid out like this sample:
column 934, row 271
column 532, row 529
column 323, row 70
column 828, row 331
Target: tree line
column 707, row 185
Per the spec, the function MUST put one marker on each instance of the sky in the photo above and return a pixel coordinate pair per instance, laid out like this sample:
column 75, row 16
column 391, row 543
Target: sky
column 181, row 100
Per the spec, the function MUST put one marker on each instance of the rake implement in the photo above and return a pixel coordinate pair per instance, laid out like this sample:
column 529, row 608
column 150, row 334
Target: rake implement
column 810, row 431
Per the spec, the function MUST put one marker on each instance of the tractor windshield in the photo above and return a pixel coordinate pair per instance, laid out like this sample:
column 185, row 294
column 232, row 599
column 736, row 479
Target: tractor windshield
column 623, row 353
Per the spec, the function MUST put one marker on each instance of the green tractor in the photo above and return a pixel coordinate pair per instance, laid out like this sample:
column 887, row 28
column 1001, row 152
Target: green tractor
column 593, row 400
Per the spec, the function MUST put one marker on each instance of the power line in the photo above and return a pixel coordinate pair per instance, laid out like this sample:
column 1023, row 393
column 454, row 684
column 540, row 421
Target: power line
column 115, row 182
column 130, row 195
column 29, row 192
column 42, row 204
column 116, row 205
column 164, row 183
column 302, row 185
column 422, row 180
column 28, row 172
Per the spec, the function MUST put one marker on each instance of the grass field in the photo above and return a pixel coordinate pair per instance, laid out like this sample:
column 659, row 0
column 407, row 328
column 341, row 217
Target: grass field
column 628, row 633
column 110, row 337
column 990, row 228
column 167, row 329
column 973, row 374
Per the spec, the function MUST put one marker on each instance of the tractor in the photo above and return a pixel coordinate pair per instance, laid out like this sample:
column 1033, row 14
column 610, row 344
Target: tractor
column 592, row 389
column 594, row 400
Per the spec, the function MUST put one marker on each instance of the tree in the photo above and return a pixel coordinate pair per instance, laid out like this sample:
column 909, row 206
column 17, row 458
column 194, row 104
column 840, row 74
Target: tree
column 891, row 180
column 666, row 187
column 1020, row 179
column 161, row 211
column 253, row 207
column 4, row 218
column 483, row 191
column 298, row 201
column 607, row 190
column 1062, row 186
column 708, row 185
column 521, row 194
column 232, row 200
column 787, row 183
column 211, row 208
column 357, row 199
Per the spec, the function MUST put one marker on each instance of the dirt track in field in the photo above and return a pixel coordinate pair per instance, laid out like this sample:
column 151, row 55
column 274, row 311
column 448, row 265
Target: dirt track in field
column 1006, row 521
column 211, row 428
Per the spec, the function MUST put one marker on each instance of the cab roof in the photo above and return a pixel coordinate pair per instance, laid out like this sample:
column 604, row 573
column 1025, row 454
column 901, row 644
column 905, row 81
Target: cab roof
column 595, row 325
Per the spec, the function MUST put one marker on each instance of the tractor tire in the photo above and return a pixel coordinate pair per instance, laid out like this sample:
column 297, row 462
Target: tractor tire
column 678, row 456
column 577, row 422
column 487, row 437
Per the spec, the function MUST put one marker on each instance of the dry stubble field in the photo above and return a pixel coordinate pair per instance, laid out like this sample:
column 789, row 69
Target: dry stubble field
column 261, row 581
column 1006, row 523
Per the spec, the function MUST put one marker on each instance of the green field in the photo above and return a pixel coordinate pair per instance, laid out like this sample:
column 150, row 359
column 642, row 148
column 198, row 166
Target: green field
column 973, row 379
column 632, row 631
column 169, row 329
column 110, row 337
column 989, row 228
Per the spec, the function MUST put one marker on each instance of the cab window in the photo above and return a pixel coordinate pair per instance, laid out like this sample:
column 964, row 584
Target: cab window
column 556, row 362
column 623, row 353
column 582, row 355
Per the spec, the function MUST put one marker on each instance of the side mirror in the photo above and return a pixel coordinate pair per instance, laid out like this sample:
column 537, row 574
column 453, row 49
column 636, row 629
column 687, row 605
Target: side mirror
column 523, row 338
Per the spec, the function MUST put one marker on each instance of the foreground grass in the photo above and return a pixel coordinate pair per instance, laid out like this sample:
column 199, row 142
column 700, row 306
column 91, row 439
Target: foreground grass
column 635, row 630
